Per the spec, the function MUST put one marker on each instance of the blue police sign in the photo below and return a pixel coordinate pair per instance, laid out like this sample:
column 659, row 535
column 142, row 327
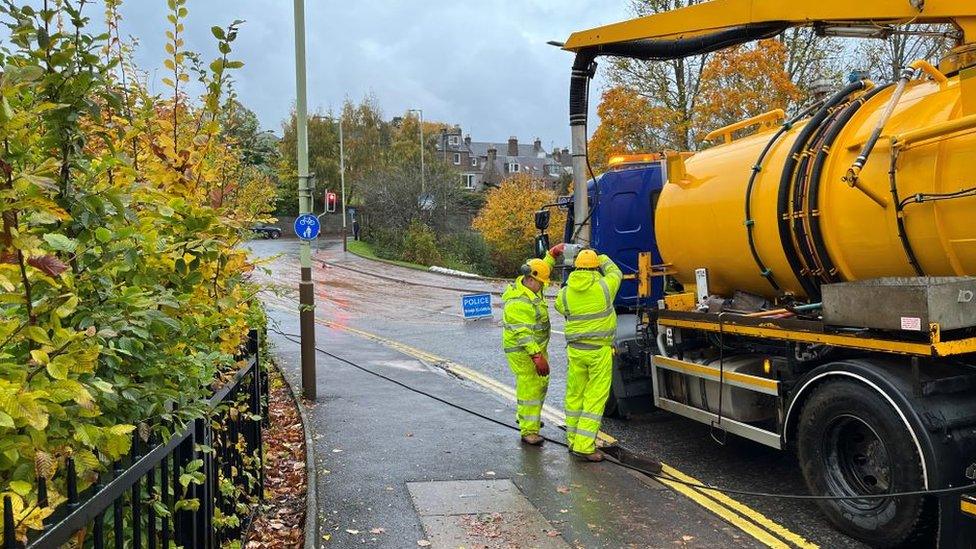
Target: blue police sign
column 476, row 306
column 307, row 227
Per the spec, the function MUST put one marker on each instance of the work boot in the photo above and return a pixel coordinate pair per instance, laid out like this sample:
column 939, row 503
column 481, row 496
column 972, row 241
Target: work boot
column 532, row 439
column 595, row 457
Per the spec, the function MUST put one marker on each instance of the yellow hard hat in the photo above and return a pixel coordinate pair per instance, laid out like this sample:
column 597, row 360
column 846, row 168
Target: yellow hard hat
column 537, row 269
column 587, row 259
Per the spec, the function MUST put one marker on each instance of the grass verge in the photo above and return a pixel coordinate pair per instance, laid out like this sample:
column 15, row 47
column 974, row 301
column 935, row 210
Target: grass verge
column 364, row 250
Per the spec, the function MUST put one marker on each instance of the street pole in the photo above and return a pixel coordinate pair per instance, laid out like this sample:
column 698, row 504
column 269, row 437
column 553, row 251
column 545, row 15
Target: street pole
column 306, row 288
column 423, row 172
column 342, row 178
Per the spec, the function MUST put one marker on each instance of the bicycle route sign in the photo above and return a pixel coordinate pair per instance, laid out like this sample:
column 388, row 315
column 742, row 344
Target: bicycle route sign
column 307, row 227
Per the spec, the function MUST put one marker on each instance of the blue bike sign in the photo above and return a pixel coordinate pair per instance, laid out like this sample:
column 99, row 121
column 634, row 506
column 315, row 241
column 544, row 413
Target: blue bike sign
column 307, row 227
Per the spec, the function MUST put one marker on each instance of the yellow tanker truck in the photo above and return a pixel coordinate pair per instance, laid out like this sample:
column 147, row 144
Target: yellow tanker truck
column 819, row 269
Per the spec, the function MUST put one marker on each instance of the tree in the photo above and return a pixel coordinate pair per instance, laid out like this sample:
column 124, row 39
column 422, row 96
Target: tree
column 507, row 220
column 323, row 160
column 627, row 125
column 123, row 286
column 886, row 58
column 673, row 88
column 744, row 81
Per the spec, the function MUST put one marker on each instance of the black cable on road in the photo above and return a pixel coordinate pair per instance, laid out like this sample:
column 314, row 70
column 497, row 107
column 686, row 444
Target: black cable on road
column 294, row 338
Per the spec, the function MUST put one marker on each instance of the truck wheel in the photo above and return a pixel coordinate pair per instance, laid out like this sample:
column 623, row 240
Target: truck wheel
column 850, row 442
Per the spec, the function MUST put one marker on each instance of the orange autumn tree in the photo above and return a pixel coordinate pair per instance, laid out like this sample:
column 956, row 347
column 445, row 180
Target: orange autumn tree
column 742, row 82
column 733, row 84
column 507, row 221
column 629, row 123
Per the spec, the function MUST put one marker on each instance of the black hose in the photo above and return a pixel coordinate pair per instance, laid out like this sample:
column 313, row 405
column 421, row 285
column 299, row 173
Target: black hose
column 750, row 223
column 783, row 201
column 294, row 338
column 801, row 181
column 665, row 49
column 906, row 244
column 816, row 177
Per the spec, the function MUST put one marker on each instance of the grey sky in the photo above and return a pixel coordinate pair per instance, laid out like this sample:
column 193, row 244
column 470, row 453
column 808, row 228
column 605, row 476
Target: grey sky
column 482, row 64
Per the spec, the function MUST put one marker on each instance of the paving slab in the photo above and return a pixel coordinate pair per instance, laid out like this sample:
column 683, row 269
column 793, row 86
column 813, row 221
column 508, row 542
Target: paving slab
column 481, row 513
column 376, row 443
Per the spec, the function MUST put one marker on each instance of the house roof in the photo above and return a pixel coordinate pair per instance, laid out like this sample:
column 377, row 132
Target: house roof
column 480, row 148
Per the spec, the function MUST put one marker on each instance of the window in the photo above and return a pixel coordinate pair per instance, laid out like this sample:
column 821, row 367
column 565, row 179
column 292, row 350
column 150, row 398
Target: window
column 554, row 170
column 454, row 140
column 467, row 180
column 457, row 159
column 474, row 162
column 513, row 167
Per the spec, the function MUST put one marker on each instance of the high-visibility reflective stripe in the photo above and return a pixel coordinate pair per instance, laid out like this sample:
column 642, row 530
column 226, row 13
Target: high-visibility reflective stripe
column 530, row 403
column 565, row 303
column 525, row 340
column 581, row 432
column 539, row 326
column 536, row 419
column 590, row 316
column 522, row 299
column 594, row 417
column 585, row 346
column 514, row 349
column 606, row 292
column 590, row 335
column 573, row 413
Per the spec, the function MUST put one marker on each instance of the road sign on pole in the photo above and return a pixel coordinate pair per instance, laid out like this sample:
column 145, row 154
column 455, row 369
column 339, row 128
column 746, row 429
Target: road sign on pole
column 475, row 306
column 307, row 227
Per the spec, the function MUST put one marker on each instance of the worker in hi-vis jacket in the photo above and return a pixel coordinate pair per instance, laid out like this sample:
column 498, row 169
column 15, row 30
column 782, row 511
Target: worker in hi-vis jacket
column 586, row 301
column 525, row 339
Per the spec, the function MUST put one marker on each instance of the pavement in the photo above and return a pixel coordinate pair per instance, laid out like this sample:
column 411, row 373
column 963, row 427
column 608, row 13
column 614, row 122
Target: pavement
column 397, row 468
column 417, row 314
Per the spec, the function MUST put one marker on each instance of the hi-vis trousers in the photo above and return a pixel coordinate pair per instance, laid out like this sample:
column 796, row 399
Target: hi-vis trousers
column 587, row 389
column 530, row 390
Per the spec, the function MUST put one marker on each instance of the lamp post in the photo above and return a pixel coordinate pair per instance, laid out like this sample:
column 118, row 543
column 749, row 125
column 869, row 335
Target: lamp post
column 342, row 178
column 423, row 172
column 306, row 288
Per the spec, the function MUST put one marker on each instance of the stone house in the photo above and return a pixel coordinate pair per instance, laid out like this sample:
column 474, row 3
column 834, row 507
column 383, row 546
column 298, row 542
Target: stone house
column 484, row 164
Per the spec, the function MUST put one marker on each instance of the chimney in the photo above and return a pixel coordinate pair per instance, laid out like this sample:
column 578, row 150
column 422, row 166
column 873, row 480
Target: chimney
column 556, row 156
column 513, row 149
column 492, row 154
column 537, row 145
column 467, row 141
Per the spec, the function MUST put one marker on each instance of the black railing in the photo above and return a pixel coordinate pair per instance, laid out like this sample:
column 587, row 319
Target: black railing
column 199, row 489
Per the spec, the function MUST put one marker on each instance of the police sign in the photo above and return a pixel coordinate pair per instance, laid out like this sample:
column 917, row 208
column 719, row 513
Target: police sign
column 475, row 306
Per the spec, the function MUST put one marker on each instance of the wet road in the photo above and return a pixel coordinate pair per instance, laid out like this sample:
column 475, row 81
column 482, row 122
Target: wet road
column 429, row 319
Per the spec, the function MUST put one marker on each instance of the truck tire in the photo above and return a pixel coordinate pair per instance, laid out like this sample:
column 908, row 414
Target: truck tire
column 851, row 441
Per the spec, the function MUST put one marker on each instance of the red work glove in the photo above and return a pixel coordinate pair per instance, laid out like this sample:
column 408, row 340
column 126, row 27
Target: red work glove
column 557, row 250
column 541, row 365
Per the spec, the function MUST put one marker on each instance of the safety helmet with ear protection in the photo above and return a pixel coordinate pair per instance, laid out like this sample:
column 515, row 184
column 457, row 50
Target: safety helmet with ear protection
column 537, row 269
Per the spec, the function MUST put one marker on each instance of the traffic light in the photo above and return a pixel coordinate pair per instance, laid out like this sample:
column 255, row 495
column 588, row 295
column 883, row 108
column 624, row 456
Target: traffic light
column 330, row 202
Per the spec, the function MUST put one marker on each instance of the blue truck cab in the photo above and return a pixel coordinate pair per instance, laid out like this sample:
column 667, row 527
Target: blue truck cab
column 623, row 201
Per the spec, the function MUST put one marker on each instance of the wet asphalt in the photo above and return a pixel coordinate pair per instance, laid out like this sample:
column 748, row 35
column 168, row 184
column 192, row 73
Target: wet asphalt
column 429, row 319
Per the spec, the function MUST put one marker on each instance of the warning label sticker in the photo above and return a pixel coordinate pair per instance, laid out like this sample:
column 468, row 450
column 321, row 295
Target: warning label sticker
column 911, row 323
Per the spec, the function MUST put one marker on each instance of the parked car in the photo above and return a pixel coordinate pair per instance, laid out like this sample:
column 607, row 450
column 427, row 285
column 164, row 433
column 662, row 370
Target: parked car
column 267, row 231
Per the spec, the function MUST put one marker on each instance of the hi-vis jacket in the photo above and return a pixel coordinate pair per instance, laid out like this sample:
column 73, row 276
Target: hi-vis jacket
column 525, row 320
column 587, row 303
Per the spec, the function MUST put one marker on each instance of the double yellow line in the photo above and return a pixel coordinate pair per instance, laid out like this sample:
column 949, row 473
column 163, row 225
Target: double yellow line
column 746, row 519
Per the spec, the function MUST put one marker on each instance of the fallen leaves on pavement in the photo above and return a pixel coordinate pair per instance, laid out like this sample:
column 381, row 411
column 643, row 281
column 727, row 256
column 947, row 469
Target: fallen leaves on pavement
column 280, row 525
